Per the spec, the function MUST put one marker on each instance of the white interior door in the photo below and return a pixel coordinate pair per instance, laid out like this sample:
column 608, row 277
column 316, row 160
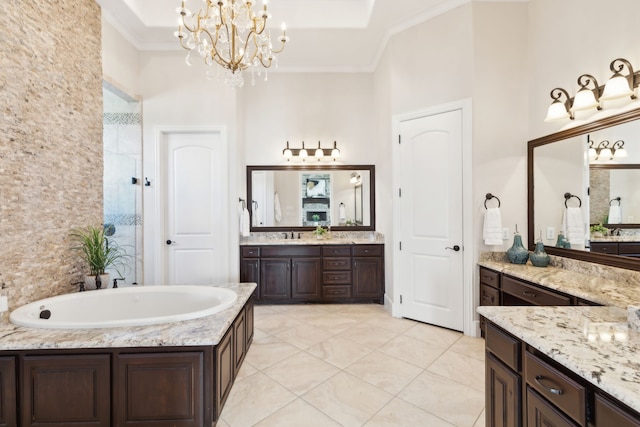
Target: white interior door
column 196, row 215
column 430, row 220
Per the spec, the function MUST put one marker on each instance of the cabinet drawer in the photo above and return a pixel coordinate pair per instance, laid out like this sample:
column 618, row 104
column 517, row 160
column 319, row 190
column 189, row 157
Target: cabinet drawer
column 367, row 250
column 628, row 248
column 290, row 251
column 489, row 277
column 532, row 294
column 489, row 295
column 336, row 291
column 503, row 346
column 336, row 277
column 559, row 389
column 332, row 264
column 610, row 414
column 336, row 251
column 604, row 248
column 250, row 251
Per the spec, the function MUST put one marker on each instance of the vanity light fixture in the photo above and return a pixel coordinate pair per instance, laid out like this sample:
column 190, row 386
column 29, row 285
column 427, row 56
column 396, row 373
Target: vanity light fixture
column 355, row 178
column 559, row 110
column 606, row 151
column 319, row 153
column 587, row 99
column 618, row 149
column 620, row 86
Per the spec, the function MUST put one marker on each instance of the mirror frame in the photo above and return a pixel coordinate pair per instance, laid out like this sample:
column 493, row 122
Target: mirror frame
column 315, row 168
column 611, row 260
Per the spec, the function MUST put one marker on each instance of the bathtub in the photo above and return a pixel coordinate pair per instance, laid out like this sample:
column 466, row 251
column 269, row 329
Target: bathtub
column 133, row 306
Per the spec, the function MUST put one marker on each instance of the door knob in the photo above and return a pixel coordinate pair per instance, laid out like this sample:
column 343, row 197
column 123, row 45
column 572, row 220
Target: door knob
column 170, row 242
column 454, row 248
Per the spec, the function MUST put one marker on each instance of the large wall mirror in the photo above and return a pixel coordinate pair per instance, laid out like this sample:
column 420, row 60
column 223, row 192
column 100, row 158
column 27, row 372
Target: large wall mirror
column 302, row 197
column 570, row 189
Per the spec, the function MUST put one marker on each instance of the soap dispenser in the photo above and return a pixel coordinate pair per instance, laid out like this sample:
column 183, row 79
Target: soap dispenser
column 517, row 254
column 539, row 257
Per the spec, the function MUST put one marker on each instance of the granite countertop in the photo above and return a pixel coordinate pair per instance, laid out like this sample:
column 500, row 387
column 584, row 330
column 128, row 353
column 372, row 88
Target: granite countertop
column 590, row 287
column 607, row 239
column 205, row 331
column 306, row 238
column 593, row 342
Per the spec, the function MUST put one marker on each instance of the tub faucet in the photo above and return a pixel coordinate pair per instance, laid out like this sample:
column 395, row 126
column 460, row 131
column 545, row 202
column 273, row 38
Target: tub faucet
column 115, row 282
column 80, row 286
column 292, row 235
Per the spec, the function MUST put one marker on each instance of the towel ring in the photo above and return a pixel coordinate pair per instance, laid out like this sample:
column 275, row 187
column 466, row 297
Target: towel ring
column 617, row 199
column 243, row 201
column 490, row 196
column 568, row 196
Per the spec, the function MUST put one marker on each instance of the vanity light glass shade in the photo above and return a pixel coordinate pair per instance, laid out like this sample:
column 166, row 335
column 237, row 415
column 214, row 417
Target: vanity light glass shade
column 303, row 154
column 335, row 153
column 606, row 153
column 287, row 153
column 592, row 153
column 584, row 100
column 617, row 87
column 620, row 153
column 319, row 154
column 556, row 111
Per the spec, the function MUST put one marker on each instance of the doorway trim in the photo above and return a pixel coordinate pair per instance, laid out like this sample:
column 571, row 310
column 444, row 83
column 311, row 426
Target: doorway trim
column 159, row 192
column 470, row 325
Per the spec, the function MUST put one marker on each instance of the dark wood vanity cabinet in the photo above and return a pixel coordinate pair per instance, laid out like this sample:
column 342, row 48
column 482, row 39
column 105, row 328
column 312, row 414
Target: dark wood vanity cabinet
column 629, row 249
column 314, row 273
column 132, row 387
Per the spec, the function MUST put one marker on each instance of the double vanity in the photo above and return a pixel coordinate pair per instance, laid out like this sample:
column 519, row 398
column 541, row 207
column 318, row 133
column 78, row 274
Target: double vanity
column 559, row 350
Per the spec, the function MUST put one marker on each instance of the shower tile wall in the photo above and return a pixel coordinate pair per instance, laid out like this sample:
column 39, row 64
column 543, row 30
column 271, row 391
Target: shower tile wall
column 122, row 162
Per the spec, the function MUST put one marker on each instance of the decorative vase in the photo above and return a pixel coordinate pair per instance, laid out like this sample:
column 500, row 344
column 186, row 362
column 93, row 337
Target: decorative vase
column 539, row 257
column 90, row 282
column 560, row 243
column 517, row 253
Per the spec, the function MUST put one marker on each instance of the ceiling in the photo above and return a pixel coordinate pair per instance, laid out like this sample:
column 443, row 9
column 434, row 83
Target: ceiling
column 326, row 35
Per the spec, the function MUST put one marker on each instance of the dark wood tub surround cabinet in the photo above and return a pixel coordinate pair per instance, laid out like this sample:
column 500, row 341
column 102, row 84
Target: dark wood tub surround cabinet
column 526, row 388
column 132, row 387
column 314, row 273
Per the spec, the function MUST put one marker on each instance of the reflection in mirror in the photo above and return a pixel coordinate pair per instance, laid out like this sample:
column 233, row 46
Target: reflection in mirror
column 561, row 163
column 304, row 197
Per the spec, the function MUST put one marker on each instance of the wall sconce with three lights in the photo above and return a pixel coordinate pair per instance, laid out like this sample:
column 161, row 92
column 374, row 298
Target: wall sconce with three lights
column 605, row 150
column 319, row 153
column 587, row 98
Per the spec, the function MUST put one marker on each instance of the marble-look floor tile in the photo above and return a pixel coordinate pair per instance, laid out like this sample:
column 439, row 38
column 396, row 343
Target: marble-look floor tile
column 480, row 422
column 298, row 413
column 347, row 399
column 332, row 323
column 393, row 324
column 259, row 334
column 399, row 413
column 304, row 336
column 469, row 346
column 268, row 351
column 433, row 334
column 301, row 372
column 338, row 351
column 363, row 334
column 245, row 370
column 253, row 399
column 458, row 367
column 303, row 312
column 456, row 403
column 385, row 372
column 274, row 323
column 411, row 350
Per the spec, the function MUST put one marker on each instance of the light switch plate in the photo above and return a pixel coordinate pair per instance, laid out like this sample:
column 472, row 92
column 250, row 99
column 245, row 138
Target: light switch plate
column 505, row 233
column 551, row 233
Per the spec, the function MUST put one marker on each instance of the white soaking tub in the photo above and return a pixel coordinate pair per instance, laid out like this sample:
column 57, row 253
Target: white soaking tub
column 133, row 306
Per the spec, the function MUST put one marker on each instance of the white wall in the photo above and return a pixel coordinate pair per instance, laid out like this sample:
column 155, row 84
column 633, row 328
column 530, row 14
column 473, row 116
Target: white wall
column 120, row 60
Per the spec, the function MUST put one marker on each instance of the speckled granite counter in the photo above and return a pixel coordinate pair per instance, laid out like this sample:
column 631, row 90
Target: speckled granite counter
column 607, row 239
column 306, row 238
column 204, row 331
column 589, row 285
column 593, row 342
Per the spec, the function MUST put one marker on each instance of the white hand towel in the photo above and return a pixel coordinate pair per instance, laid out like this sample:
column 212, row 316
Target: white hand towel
column 615, row 215
column 573, row 226
column 245, row 222
column 492, row 230
column 277, row 211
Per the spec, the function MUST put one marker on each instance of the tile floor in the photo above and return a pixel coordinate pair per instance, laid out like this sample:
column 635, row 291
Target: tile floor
column 355, row 365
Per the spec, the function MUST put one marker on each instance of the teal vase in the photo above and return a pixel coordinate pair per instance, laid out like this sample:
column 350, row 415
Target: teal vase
column 539, row 257
column 517, row 254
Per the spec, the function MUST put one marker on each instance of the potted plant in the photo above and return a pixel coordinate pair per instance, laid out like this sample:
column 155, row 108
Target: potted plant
column 99, row 253
column 315, row 218
column 319, row 232
column 598, row 230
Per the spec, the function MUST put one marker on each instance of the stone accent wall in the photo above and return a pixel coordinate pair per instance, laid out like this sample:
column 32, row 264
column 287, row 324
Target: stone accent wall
column 599, row 190
column 50, row 142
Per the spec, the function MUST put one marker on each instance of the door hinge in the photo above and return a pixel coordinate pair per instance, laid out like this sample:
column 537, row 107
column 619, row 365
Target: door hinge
column 399, row 139
column 400, row 245
column 400, row 299
column 399, row 192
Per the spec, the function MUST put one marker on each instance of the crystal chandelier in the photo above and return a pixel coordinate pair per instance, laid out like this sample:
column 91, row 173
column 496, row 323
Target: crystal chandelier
column 231, row 34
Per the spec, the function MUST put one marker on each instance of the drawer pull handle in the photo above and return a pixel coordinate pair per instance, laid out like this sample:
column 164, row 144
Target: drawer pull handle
column 529, row 294
column 540, row 378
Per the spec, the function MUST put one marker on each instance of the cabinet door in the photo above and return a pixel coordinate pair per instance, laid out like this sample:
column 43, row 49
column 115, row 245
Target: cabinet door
column 541, row 413
column 368, row 277
column 159, row 389
column 239, row 340
column 610, row 414
column 8, row 402
column 224, row 371
column 249, row 320
column 250, row 272
column 305, row 278
column 502, row 395
column 60, row 391
column 275, row 279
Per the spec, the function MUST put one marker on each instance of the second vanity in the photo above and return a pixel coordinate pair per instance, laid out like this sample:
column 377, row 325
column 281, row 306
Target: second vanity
column 348, row 267
column 554, row 358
